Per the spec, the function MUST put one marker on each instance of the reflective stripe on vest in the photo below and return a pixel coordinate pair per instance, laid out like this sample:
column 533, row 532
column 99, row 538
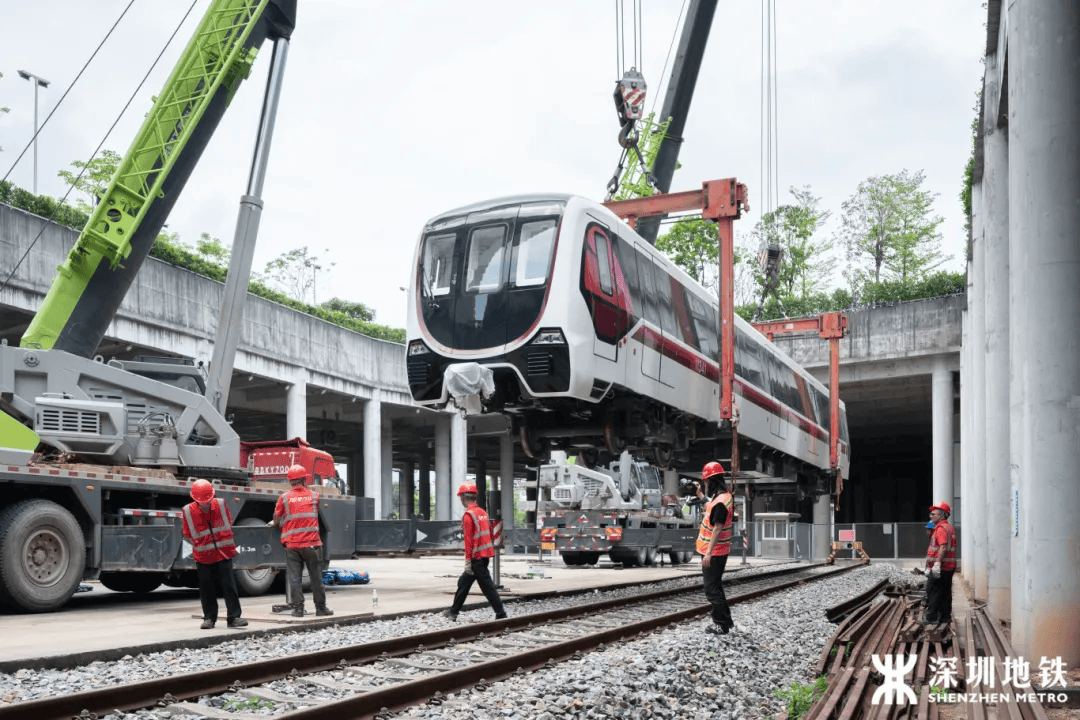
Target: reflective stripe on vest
column 300, row 523
column 482, row 536
column 723, row 541
column 214, row 537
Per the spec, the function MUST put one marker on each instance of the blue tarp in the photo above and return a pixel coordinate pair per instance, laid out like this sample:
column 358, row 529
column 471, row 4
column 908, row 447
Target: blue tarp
column 345, row 577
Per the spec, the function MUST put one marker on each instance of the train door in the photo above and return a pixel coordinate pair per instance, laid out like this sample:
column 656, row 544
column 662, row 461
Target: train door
column 652, row 339
column 603, row 293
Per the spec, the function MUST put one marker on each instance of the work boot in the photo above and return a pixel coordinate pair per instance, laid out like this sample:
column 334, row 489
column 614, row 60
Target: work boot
column 449, row 613
column 500, row 616
column 323, row 611
column 207, row 624
column 238, row 623
column 298, row 611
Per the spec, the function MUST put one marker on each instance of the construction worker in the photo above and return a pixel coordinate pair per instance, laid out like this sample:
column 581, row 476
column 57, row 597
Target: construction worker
column 714, row 544
column 207, row 525
column 478, row 552
column 940, row 566
column 297, row 512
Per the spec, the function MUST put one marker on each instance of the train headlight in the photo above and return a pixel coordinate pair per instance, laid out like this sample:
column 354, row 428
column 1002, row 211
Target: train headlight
column 549, row 337
column 417, row 347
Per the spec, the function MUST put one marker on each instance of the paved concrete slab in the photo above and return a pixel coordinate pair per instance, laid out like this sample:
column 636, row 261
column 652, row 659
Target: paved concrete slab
column 102, row 625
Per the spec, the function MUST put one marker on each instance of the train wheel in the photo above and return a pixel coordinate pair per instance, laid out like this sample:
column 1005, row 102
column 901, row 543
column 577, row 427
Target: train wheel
column 612, row 441
column 589, row 458
column 252, row 583
column 536, row 448
column 133, row 582
column 42, row 555
column 662, row 456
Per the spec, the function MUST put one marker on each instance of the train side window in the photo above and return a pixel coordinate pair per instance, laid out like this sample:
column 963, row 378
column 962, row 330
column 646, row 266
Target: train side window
column 648, row 289
column 663, row 287
column 706, row 335
column 684, row 316
column 532, row 254
column 603, row 262
column 485, row 259
column 438, row 262
column 753, row 369
column 783, row 383
column 821, row 400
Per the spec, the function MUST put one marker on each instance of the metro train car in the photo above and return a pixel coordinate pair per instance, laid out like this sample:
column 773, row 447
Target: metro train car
column 598, row 344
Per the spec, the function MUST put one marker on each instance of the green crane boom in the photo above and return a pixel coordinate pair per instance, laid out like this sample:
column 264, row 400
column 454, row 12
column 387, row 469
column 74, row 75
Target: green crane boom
column 99, row 270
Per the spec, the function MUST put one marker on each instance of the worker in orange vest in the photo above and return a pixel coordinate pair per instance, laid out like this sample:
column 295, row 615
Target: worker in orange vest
column 940, row 566
column 714, row 544
column 479, row 549
column 297, row 512
column 207, row 525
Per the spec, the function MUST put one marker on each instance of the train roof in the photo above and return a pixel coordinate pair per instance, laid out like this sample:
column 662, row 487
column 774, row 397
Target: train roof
column 502, row 202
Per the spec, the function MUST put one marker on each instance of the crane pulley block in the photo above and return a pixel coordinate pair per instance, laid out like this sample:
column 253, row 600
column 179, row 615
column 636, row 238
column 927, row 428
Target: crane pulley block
column 630, row 96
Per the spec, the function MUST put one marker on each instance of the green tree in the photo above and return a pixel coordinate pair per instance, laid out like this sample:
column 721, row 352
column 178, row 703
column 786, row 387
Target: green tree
column 969, row 171
column 805, row 266
column 889, row 231
column 355, row 310
column 211, row 248
column 296, row 272
column 96, row 176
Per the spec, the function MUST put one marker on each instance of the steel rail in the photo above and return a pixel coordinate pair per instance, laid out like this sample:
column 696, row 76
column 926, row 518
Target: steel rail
column 838, row 611
column 147, row 693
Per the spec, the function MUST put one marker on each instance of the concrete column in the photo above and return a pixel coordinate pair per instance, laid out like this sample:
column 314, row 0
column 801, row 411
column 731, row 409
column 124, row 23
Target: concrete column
column 296, row 408
column 481, row 481
column 1044, row 212
column 459, row 460
column 506, row 479
column 386, row 474
column 373, row 452
column 442, row 468
column 822, row 527
column 962, row 514
column 995, row 294
column 976, row 529
column 942, row 423
column 406, row 490
column 423, row 482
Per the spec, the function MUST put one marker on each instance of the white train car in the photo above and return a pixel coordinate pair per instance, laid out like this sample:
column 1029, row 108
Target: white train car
column 598, row 343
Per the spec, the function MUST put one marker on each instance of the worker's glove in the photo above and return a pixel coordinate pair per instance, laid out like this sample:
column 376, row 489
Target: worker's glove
column 468, row 567
column 935, row 572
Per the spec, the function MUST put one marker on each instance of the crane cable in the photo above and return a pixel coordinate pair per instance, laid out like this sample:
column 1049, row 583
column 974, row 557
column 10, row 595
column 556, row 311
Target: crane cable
column 770, row 250
column 112, row 127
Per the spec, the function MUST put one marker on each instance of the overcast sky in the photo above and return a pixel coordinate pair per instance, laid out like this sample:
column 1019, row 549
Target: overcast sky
column 393, row 112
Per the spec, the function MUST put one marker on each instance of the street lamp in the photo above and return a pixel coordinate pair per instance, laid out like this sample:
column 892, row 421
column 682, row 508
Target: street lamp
column 38, row 82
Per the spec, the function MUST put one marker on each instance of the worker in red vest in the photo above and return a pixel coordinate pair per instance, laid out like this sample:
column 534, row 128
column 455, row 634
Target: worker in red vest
column 297, row 512
column 207, row 525
column 940, row 566
column 714, row 544
column 479, row 549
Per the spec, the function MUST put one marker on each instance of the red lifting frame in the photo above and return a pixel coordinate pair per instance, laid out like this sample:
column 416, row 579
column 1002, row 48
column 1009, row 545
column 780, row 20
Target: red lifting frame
column 723, row 201
column 831, row 327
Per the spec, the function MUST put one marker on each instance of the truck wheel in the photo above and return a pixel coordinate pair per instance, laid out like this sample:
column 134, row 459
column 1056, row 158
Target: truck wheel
column 675, row 557
column 42, row 555
column 572, row 558
column 256, row 582
column 650, row 557
column 135, row 582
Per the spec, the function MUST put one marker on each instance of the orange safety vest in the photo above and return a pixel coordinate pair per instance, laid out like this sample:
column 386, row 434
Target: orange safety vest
column 478, row 545
column 300, row 508
column 210, row 533
column 723, row 543
column 946, row 538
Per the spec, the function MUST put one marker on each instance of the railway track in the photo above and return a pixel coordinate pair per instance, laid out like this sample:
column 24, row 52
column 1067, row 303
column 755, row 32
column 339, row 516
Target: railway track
column 375, row 678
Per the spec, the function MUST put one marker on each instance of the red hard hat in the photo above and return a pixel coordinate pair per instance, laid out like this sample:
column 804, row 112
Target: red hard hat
column 202, row 491
column 467, row 489
column 297, row 472
column 710, row 469
column 943, row 507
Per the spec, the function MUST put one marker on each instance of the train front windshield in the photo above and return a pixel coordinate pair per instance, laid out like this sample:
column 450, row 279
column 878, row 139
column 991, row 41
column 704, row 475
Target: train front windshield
column 482, row 277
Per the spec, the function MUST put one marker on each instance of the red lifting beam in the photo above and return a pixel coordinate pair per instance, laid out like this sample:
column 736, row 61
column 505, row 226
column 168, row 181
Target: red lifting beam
column 723, row 201
column 831, row 327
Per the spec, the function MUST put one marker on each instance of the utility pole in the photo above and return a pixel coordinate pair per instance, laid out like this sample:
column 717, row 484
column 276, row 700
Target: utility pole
column 38, row 82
